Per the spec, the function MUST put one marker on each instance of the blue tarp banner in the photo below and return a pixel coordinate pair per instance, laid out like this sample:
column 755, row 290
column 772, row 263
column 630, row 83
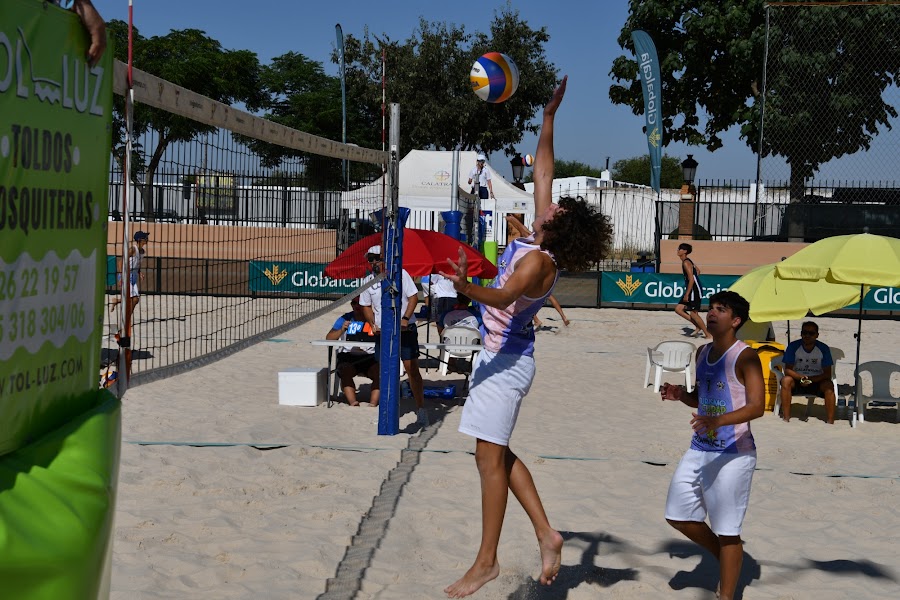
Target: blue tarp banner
column 648, row 66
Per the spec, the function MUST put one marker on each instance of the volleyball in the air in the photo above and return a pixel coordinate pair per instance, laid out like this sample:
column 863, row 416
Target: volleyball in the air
column 494, row 77
column 528, row 160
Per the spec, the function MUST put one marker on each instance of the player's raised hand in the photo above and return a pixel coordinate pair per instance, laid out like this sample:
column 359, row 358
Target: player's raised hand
column 460, row 271
column 556, row 100
column 671, row 392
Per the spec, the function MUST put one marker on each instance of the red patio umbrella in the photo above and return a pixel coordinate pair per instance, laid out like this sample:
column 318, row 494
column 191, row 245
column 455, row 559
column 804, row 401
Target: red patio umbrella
column 424, row 252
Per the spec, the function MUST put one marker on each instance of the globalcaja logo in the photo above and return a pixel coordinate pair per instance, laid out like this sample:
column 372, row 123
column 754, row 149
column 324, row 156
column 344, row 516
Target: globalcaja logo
column 630, row 285
column 276, row 274
column 654, row 137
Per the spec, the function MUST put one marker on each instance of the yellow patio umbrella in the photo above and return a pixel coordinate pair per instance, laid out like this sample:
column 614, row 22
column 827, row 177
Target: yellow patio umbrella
column 774, row 299
column 862, row 259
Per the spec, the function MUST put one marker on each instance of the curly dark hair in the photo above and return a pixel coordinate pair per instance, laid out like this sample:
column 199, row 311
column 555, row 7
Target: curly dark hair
column 579, row 236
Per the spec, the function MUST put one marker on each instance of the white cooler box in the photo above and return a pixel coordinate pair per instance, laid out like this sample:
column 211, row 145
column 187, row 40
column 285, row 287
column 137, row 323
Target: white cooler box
column 303, row 386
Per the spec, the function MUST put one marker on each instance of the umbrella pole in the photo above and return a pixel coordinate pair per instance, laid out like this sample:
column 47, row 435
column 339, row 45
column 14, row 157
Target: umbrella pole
column 858, row 344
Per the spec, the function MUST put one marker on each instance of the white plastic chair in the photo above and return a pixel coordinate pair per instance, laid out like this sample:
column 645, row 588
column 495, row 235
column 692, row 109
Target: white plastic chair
column 671, row 357
column 880, row 372
column 458, row 334
column 776, row 365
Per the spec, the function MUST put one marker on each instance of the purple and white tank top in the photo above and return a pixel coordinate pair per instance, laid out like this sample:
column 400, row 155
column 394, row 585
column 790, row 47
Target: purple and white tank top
column 510, row 329
column 720, row 392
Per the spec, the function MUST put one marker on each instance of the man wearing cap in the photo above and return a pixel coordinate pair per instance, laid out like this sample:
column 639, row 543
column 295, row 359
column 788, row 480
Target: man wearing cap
column 136, row 253
column 480, row 177
column 370, row 300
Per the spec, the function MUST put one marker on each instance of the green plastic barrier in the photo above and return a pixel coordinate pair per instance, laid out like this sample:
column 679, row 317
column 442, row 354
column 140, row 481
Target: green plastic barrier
column 59, row 434
column 57, row 500
column 490, row 252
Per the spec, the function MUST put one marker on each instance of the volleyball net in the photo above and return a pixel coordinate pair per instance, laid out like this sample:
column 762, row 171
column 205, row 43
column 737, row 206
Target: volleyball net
column 242, row 215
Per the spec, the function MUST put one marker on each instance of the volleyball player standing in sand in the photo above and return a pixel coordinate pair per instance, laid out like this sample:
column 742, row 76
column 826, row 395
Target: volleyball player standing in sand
column 571, row 235
column 714, row 476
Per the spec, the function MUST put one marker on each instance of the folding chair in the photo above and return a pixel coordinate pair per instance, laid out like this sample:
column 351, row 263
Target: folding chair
column 671, row 357
column 880, row 372
column 458, row 335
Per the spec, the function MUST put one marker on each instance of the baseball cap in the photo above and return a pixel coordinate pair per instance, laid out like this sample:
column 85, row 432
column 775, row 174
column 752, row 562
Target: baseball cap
column 141, row 235
column 481, row 157
column 376, row 250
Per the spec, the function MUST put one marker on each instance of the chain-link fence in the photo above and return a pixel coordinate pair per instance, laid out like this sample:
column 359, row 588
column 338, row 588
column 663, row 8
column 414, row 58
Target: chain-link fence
column 830, row 101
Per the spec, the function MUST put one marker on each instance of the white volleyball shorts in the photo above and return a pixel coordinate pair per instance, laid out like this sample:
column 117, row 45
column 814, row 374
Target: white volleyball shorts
column 712, row 484
column 497, row 386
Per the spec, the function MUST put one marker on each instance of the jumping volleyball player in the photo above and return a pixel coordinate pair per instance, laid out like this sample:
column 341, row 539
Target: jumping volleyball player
column 570, row 235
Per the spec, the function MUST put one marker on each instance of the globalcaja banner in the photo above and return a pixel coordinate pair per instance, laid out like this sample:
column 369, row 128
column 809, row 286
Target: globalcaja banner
column 54, row 161
column 668, row 289
column 655, row 288
column 297, row 278
column 648, row 67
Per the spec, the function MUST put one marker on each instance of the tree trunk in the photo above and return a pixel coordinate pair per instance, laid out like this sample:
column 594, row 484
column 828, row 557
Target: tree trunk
column 147, row 192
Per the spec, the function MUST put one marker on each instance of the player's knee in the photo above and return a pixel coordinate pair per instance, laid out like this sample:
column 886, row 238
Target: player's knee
column 729, row 540
column 679, row 525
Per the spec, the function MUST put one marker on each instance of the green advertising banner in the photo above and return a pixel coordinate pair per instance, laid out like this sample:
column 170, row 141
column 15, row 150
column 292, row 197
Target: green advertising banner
column 302, row 278
column 654, row 288
column 668, row 289
column 59, row 433
column 54, row 162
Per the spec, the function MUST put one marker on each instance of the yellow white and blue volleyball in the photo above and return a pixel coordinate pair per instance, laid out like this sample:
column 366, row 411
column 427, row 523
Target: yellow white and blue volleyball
column 528, row 160
column 494, row 77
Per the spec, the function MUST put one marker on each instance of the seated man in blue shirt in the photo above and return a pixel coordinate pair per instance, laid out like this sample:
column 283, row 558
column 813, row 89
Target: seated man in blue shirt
column 807, row 370
column 352, row 360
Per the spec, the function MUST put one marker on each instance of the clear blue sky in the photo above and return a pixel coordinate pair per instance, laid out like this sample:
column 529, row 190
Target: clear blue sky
column 582, row 44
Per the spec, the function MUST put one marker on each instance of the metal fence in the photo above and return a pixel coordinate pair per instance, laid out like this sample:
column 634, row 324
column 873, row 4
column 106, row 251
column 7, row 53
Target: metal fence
column 830, row 96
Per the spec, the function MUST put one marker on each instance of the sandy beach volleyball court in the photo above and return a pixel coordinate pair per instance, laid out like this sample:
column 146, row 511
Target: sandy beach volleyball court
column 294, row 497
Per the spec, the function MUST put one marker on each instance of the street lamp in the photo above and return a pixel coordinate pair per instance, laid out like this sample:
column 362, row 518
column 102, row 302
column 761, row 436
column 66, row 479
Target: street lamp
column 518, row 166
column 689, row 169
column 686, row 207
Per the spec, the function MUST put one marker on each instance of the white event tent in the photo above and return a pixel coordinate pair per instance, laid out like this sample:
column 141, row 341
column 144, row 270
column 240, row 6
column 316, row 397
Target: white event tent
column 426, row 184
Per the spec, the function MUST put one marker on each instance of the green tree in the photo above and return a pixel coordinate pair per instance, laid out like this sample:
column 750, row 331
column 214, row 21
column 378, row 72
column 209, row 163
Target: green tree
column 825, row 101
column 637, row 170
column 428, row 75
column 299, row 94
column 193, row 60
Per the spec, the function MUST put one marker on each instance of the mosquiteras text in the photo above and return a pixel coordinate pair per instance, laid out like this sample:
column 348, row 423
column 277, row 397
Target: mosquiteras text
column 32, row 207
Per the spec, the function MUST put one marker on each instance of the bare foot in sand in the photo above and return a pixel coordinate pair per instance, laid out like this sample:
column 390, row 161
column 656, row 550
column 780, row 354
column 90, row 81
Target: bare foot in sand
column 551, row 557
column 472, row 581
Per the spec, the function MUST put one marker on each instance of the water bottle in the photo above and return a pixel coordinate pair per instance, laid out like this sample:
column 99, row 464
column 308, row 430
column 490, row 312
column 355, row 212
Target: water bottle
column 851, row 406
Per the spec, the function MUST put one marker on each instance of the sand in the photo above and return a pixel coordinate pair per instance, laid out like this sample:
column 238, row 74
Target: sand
column 299, row 498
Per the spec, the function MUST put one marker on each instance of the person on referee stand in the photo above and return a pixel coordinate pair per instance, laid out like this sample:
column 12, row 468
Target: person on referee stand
column 352, row 360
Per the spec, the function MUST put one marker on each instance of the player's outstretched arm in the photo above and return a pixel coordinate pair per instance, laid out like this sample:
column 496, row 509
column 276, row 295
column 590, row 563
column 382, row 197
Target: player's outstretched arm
column 544, row 157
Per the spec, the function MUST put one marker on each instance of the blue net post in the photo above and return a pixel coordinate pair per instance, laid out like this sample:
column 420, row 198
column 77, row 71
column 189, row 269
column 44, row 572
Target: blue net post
column 452, row 220
column 391, row 303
